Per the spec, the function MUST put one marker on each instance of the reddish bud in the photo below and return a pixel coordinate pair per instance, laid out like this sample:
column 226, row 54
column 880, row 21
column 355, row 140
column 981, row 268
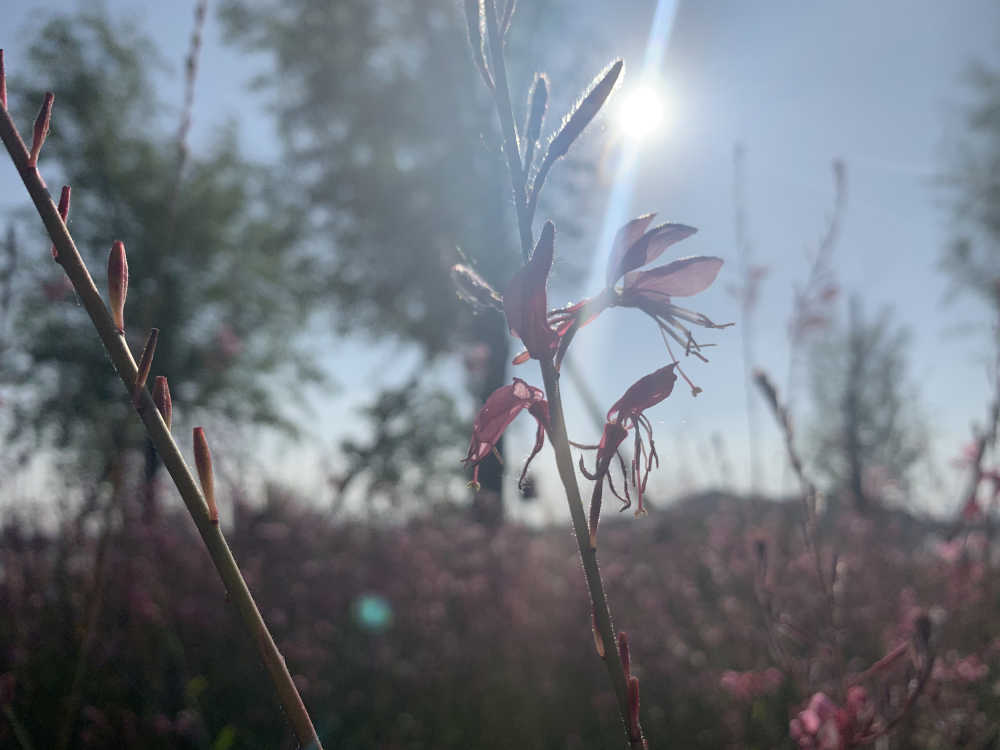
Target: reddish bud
column 598, row 640
column 3, row 83
column 118, row 284
column 145, row 362
column 633, row 710
column 161, row 397
column 63, row 213
column 203, row 460
column 41, row 128
column 525, row 302
column 624, row 652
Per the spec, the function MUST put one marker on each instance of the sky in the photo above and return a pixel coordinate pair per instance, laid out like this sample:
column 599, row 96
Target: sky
column 878, row 85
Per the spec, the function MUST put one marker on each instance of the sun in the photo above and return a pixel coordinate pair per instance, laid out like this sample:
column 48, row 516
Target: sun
column 641, row 112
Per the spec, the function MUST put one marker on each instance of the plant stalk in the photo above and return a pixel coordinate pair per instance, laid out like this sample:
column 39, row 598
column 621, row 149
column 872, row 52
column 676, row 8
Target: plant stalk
column 507, row 124
column 557, row 425
column 124, row 364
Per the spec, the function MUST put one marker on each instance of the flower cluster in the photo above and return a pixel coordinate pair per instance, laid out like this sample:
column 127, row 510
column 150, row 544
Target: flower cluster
column 546, row 335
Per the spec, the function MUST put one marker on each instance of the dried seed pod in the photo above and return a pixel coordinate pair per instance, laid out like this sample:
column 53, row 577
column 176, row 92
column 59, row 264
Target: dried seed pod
column 161, row 397
column 41, row 128
column 203, row 460
column 145, row 362
column 63, row 213
column 585, row 110
column 118, row 284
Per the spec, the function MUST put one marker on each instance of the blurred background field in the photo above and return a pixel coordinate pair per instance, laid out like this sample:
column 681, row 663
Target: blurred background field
column 294, row 180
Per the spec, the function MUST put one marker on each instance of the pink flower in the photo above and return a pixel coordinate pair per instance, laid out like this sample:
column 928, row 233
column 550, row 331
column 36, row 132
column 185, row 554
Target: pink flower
column 627, row 414
column 500, row 409
column 525, row 303
column 651, row 291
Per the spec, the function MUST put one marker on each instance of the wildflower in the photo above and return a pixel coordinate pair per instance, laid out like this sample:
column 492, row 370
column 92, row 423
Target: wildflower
column 627, row 414
column 500, row 409
column 525, row 303
column 652, row 290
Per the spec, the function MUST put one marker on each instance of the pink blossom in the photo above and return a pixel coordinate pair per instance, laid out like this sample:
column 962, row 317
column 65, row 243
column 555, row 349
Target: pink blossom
column 525, row 303
column 500, row 409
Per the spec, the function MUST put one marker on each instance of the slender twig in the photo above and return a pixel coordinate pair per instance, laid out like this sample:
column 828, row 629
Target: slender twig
column 124, row 364
column 557, row 425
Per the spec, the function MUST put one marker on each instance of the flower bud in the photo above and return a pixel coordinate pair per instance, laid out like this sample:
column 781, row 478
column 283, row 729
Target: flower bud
column 145, row 362
column 584, row 111
column 623, row 651
column 598, row 640
column 473, row 288
column 63, row 213
column 161, row 397
column 203, row 460
column 538, row 101
column 118, row 284
column 635, row 731
column 41, row 128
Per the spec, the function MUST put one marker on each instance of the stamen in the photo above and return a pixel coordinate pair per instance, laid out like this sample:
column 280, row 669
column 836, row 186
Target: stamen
column 695, row 390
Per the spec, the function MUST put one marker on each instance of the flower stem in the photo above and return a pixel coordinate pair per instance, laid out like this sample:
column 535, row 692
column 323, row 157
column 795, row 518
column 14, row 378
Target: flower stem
column 506, row 114
column 588, row 555
column 124, row 364
column 557, row 424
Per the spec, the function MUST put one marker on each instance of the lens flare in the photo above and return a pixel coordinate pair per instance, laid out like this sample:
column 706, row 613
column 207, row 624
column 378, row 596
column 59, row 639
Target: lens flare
column 642, row 112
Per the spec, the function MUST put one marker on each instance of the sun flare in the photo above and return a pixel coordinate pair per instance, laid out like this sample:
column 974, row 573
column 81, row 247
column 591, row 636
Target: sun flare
column 642, row 112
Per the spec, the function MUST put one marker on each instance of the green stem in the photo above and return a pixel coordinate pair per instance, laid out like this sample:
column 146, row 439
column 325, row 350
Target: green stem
column 588, row 554
column 506, row 114
column 211, row 534
column 557, row 424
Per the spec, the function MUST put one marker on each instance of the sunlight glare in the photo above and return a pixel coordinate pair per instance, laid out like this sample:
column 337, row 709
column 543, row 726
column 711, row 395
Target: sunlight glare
column 641, row 112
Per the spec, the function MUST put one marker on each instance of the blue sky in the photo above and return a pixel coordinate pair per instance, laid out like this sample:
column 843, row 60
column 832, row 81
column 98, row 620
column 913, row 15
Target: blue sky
column 878, row 85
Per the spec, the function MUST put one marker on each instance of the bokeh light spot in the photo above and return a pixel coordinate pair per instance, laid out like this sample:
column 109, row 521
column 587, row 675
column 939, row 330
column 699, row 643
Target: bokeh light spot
column 372, row 612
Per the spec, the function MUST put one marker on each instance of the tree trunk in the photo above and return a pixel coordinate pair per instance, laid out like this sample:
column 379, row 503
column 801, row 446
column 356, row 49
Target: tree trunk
column 490, row 374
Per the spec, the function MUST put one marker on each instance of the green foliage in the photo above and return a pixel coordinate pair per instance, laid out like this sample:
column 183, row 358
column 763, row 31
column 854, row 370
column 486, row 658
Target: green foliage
column 212, row 252
column 973, row 258
column 381, row 105
column 865, row 431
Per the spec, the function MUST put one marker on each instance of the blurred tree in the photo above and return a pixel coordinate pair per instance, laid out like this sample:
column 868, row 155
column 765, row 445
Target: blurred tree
column 973, row 258
column 382, row 111
column 212, row 252
column 866, row 435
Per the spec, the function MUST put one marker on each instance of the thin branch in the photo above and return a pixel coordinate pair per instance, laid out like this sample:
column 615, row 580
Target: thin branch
column 124, row 364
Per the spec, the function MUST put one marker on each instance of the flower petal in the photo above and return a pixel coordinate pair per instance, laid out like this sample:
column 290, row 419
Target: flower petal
column 627, row 236
column 682, row 278
column 525, row 303
column 500, row 409
column 647, row 391
column 649, row 247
